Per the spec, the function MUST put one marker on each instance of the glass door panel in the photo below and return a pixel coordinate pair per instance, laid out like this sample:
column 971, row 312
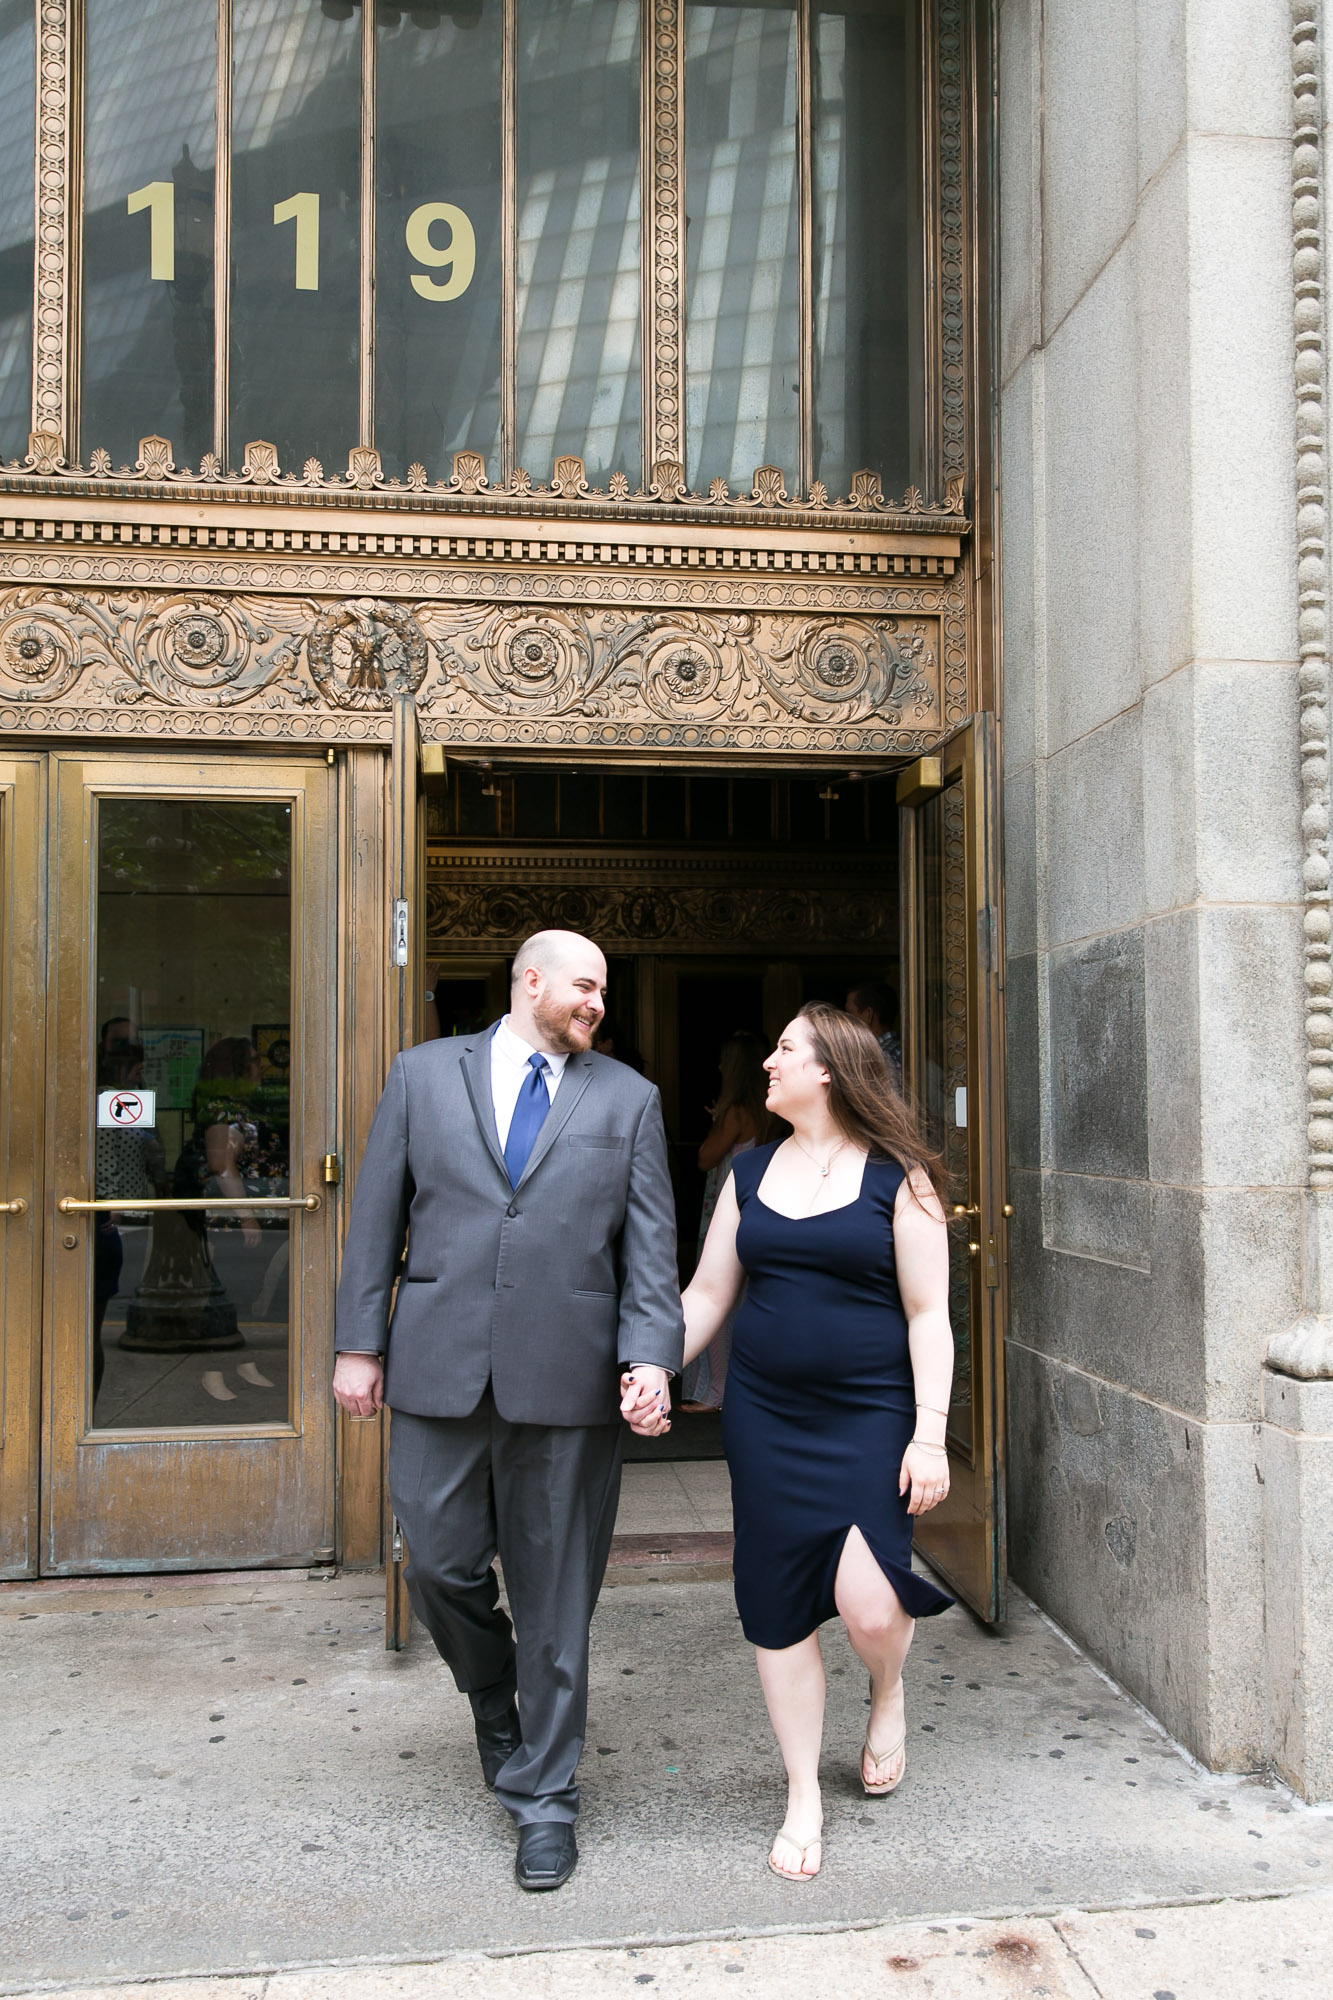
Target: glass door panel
column 190, row 1279
column 22, row 1037
column 950, row 1055
column 191, row 1075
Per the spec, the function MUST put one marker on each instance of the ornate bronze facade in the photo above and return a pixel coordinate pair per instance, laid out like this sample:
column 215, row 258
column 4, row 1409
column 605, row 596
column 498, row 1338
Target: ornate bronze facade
column 525, row 616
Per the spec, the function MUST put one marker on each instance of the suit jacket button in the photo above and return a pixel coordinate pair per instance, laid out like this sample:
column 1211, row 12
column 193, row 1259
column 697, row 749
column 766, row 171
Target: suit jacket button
column 511, row 1210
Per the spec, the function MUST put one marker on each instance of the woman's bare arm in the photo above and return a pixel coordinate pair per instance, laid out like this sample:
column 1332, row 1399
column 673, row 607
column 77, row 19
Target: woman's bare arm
column 921, row 1244
column 716, row 1284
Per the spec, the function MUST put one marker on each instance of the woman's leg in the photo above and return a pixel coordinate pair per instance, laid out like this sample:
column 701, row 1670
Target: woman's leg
column 793, row 1684
column 880, row 1632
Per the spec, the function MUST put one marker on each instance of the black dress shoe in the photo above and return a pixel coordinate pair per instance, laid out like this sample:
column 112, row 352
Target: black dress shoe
column 497, row 1742
column 547, row 1852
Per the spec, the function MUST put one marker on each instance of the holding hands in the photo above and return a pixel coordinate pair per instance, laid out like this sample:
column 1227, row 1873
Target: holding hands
column 645, row 1402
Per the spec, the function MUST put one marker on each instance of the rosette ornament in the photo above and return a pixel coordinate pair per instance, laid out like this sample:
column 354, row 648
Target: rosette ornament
column 532, row 661
column 39, row 659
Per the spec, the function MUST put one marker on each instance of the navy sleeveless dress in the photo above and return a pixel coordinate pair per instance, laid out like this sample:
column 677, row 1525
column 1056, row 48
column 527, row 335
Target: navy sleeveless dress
column 819, row 1407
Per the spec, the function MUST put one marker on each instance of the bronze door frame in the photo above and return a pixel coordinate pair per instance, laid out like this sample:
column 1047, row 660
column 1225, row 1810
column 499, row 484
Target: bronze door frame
column 22, row 1159
column 185, row 1497
column 964, row 1537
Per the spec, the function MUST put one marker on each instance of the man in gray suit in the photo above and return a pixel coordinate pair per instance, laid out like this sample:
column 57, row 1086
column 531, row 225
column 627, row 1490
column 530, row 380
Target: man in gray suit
column 527, row 1178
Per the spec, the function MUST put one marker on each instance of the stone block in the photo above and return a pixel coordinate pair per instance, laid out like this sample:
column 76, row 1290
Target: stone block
column 1021, row 562
column 1237, row 63
column 1170, row 804
column 1090, row 165
column 1098, row 1057
column 1161, row 260
column 1242, row 486
column 1221, row 785
column 1020, row 861
column 1171, row 1012
column 1248, row 781
column 1022, row 1067
column 1235, row 1732
column 1112, row 1502
column 1251, row 1046
column 1140, row 1329
column 1089, row 1216
column 1160, row 70
column 1094, row 832
column 1092, row 449
column 1019, row 83
column 1251, row 1251
column 1297, row 1467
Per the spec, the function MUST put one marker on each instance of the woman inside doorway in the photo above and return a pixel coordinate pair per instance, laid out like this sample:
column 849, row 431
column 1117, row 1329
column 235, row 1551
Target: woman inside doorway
column 741, row 1120
column 834, row 1420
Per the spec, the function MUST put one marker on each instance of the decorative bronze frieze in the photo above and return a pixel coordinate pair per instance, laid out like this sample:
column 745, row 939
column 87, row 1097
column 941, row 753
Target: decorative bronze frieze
column 845, row 680
column 45, row 469
column 656, row 902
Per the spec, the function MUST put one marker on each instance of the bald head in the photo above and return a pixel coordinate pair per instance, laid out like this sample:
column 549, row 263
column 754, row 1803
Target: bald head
column 548, row 952
column 557, row 992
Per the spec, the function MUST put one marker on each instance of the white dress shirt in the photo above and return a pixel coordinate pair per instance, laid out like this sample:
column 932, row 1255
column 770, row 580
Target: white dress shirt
column 510, row 1070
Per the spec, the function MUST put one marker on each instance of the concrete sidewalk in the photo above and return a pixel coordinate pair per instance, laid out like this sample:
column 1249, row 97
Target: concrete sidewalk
column 1270, row 1950
column 231, row 1776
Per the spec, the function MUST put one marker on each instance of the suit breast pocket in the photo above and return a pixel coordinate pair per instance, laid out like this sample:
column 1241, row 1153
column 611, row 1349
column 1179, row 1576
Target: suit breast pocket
column 604, row 1142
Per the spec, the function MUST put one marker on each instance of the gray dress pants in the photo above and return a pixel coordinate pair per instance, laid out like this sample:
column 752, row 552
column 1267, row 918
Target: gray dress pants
column 545, row 1498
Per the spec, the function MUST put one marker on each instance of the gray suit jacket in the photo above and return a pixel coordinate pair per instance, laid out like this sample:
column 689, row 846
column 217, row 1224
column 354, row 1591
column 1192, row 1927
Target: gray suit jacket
column 544, row 1290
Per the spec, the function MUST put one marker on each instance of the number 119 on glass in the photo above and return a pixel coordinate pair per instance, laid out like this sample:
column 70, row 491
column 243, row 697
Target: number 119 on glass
column 456, row 255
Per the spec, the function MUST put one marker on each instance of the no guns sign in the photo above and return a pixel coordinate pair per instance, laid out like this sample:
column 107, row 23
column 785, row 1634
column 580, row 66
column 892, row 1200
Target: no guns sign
column 126, row 1110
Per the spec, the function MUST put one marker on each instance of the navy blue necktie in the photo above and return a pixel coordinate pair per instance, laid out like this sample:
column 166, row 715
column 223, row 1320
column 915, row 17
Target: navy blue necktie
column 528, row 1119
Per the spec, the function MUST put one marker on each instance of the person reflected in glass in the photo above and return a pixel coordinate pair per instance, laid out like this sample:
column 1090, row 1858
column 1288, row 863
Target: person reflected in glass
column 834, row 1419
column 875, row 1003
column 741, row 1120
column 239, row 1141
column 612, row 1040
column 128, row 1166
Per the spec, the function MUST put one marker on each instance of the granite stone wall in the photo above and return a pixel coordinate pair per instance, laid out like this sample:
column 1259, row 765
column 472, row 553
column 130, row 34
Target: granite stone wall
column 1154, row 994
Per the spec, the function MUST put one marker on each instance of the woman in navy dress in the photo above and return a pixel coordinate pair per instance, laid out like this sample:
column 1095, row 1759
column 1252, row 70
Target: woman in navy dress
column 837, row 1394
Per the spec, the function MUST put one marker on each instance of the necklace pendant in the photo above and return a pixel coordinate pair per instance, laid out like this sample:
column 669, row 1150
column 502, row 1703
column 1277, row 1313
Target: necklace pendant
column 823, row 1173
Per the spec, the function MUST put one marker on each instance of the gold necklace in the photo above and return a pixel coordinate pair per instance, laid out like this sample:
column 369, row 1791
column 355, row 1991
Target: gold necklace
column 824, row 1170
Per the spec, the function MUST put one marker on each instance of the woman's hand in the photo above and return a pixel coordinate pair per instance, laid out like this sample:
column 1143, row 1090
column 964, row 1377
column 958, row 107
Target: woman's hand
column 645, row 1401
column 926, row 1471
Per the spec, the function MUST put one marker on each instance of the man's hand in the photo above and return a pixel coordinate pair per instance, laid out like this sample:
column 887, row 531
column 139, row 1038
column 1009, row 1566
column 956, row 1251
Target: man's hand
column 645, row 1402
column 358, row 1384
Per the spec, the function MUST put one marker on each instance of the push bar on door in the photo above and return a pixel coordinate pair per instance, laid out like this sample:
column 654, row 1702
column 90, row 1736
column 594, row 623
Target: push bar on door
column 69, row 1206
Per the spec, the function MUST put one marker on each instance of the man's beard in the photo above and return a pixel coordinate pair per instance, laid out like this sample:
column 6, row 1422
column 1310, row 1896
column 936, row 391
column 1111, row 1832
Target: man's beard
column 555, row 1026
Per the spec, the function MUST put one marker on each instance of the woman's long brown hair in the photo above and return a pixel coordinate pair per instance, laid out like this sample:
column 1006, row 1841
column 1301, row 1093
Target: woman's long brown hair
column 863, row 1101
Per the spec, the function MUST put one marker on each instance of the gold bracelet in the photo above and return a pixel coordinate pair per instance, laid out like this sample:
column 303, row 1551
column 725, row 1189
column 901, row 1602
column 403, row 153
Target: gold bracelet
column 933, row 1411
column 921, row 1445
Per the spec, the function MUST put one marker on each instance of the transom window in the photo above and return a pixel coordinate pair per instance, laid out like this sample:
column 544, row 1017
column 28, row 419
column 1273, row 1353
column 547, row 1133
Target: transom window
column 443, row 226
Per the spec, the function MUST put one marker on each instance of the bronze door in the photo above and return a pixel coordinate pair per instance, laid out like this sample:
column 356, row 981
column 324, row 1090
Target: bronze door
column 951, row 1055
column 188, row 1043
column 21, row 1204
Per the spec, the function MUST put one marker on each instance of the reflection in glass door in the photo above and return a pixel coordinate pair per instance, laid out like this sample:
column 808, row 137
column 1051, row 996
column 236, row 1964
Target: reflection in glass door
column 188, row 1419
column 192, row 1081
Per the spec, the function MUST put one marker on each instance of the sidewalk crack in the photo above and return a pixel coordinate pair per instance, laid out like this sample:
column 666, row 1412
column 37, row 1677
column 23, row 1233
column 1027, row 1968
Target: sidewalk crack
column 1060, row 1932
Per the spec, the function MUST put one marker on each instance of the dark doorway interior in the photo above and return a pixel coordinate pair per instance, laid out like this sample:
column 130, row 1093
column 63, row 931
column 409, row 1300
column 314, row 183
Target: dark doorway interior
column 723, row 902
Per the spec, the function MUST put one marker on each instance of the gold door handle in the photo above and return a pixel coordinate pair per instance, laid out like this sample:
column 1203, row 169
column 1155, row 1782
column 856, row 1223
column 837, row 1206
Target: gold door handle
column 237, row 1204
column 972, row 1208
column 16, row 1207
